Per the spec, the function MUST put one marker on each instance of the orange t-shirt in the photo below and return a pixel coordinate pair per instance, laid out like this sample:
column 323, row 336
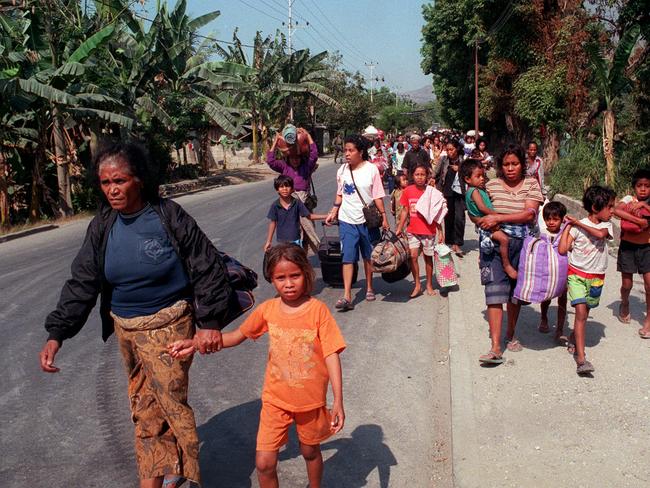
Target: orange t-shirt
column 296, row 374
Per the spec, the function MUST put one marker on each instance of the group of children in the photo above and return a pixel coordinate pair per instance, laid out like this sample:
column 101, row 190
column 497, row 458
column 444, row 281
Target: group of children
column 585, row 242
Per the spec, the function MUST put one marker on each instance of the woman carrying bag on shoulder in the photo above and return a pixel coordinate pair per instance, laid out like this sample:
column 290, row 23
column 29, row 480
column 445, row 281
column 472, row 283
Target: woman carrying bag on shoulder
column 360, row 211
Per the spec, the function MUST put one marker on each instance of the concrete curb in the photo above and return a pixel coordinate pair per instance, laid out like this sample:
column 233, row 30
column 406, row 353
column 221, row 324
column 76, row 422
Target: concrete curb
column 28, row 232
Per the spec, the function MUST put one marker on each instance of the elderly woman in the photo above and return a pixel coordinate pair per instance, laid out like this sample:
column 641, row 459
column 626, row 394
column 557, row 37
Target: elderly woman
column 358, row 183
column 300, row 168
column 158, row 275
column 516, row 199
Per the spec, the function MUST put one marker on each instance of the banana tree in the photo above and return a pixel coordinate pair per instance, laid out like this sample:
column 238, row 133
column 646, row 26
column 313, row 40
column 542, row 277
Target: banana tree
column 611, row 82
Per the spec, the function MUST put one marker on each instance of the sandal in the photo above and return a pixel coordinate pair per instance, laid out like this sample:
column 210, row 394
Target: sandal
column 585, row 368
column 644, row 335
column 624, row 319
column 562, row 340
column 544, row 329
column 344, row 305
column 370, row 296
column 491, row 358
column 513, row 345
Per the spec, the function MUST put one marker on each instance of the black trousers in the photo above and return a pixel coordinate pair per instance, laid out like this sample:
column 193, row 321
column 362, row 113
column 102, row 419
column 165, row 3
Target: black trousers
column 455, row 220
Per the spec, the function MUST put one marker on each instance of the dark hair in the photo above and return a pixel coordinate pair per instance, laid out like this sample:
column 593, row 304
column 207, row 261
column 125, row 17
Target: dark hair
column 360, row 143
column 554, row 209
column 425, row 166
column 468, row 167
column 282, row 180
column 294, row 254
column 135, row 158
column 516, row 150
column 478, row 142
column 597, row 197
column 397, row 179
column 400, row 145
column 533, row 142
column 640, row 174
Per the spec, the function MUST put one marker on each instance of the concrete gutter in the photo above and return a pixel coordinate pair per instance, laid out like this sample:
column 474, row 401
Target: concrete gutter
column 27, row 232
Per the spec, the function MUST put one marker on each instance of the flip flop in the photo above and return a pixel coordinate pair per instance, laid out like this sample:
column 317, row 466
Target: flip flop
column 624, row 319
column 544, row 329
column 491, row 358
column 644, row 335
column 562, row 341
column 344, row 305
column 513, row 345
column 370, row 296
column 585, row 368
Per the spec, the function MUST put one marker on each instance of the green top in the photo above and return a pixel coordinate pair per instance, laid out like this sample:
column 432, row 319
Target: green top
column 472, row 208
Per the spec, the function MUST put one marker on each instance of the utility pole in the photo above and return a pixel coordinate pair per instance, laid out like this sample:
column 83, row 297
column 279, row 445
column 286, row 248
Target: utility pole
column 476, row 133
column 290, row 29
column 372, row 66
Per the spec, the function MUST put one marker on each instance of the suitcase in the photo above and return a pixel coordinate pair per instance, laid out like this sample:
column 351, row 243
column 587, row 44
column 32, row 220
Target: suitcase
column 331, row 264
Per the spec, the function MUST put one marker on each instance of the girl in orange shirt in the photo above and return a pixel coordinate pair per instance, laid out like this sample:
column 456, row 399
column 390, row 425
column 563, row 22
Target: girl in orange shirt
column 304, row 347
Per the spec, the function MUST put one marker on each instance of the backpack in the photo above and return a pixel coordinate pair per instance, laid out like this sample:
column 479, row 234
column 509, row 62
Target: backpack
column 390, row 252
column 243, row 281
column 542, row 272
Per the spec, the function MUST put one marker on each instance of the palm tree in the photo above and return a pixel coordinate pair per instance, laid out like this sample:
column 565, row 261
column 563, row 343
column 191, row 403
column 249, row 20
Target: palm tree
column 611, row 82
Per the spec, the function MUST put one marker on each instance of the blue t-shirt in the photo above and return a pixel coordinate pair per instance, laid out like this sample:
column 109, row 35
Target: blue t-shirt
column 288, row 220
column 141, row 265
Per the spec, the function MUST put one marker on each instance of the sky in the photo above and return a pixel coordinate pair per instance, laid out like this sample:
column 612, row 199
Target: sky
column 384, row 32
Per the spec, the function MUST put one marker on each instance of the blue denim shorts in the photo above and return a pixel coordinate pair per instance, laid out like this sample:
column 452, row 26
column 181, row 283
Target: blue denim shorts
column 355, row 237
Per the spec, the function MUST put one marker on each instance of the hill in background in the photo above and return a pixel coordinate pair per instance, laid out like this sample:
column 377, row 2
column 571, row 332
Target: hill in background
column 421, row 95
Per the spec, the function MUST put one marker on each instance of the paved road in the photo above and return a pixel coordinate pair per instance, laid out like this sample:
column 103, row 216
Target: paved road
column 73, row 430
column 532, row 422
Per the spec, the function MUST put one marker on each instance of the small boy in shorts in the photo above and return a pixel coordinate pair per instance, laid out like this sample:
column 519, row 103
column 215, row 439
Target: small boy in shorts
column 478, row 204
column 285, row 213
column 634, row 251
column 587, row 241
column 553, row 214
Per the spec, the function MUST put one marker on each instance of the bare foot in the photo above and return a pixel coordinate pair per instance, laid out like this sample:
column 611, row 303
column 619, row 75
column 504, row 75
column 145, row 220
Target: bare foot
column 510, row 271
column 417, row 291
column 431, row 292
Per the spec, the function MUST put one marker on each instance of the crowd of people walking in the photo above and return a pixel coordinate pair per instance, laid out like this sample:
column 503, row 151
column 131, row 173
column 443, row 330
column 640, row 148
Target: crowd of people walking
column 166, row 292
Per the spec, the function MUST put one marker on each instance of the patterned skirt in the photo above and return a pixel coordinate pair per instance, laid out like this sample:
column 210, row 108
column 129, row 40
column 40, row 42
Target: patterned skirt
column 166, row 441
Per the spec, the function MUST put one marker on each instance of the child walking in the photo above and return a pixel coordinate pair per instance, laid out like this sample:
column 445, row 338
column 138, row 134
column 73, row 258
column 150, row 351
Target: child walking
column 634, row 251
column 421, row 235
column 285, row 213
column 304, row 347
column 478, row 204
column 401, row 182
column 553, row 214
column 587, row 241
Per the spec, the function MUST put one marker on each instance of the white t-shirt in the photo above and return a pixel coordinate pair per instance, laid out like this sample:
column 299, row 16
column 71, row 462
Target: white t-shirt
column 589, row 254
column 369, row 184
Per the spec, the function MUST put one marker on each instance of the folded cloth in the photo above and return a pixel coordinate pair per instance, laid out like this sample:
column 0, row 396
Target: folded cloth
column 432, row 205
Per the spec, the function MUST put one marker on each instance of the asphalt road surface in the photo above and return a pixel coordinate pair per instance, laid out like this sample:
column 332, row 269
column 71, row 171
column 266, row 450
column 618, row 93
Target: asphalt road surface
column 72, row 429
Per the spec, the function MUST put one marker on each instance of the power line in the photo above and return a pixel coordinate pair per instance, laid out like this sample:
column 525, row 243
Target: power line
column 260, row 11
column 342, row 37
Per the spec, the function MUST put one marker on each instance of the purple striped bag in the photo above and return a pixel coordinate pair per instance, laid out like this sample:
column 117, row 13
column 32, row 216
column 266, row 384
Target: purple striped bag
column 542, row 273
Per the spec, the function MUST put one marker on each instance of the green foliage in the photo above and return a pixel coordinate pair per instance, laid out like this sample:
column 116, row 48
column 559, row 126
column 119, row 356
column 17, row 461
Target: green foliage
column 540, row 97
column 581, row 165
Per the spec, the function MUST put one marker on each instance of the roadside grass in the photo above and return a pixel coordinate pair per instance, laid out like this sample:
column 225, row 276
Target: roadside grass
column 32, row 225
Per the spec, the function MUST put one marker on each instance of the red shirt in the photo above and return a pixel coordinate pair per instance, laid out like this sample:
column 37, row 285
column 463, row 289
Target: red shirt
column 417, row 223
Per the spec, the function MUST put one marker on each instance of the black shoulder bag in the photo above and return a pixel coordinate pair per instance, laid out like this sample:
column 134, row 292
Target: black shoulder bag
column 311, row 200
column 370, row 212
